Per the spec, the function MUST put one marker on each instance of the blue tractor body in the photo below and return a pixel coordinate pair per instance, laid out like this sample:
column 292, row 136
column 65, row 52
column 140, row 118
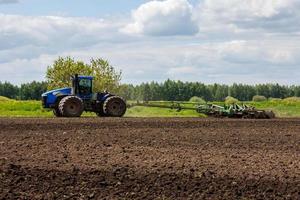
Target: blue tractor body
column 72, row 101
column 50, row 97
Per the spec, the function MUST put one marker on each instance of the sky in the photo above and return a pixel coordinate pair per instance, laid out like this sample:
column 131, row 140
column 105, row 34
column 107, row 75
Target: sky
column 210, row 41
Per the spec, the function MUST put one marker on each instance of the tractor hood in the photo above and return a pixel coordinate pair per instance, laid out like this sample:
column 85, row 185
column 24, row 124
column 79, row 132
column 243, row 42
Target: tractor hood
column 49, row 98
column 62, row 91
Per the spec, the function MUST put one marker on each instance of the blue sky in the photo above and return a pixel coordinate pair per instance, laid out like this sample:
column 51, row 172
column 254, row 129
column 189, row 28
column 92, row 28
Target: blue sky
column 191, row 40
column 90, row 8
column 83, row 8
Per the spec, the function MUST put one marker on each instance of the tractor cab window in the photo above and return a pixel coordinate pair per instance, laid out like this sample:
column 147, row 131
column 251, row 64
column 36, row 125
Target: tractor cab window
column 85, row 86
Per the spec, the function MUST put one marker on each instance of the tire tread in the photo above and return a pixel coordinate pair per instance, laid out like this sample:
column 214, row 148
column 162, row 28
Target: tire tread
column 63, row 102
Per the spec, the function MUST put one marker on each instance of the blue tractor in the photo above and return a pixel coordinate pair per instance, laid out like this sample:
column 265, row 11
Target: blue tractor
column 71, row 102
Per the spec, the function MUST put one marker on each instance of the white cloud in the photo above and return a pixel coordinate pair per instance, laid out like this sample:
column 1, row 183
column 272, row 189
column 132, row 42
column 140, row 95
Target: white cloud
column 257, row 52
column 182, row 70
column 25, row 41
column 26, row 37
column 216, row 18
column 25, row 70
column 238, row 41
column 268, row 15
column 225, row 62
column 234, row 9
column 185, row 72
column 8, row 1
column 162, row 18
column 60, row 32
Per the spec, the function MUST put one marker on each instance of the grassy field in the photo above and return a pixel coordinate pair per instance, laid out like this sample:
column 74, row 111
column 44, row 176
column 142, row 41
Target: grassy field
column 12, row 108
column 281, row 108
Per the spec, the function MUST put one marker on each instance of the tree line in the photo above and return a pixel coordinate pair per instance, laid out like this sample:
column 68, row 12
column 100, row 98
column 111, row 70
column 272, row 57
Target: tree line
column 182, row 91
column 27, row 91
column 59, row 74
column 167, row 91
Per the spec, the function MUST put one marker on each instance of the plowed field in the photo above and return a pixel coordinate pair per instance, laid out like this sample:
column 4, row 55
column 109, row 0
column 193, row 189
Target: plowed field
column 94, row 158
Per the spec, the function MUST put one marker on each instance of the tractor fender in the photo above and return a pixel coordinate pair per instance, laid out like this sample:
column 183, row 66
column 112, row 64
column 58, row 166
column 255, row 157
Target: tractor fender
column 100, row 102
column 106, row 96
column 59, row 97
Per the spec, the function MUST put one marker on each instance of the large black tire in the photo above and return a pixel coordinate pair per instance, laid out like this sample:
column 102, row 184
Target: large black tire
column 99, row 111
column 101, row 114
column 56, row 112
column 71, row 106
column 114, row 106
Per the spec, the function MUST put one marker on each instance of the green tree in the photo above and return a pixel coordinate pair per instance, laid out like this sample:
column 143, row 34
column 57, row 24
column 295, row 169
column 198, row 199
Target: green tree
column 146, row 92
column 221, row 92
column 295, row 91
column 263, row 90
column 156, row 91
column 33, row 90
column 127, row 91
column 196, row 99
column 106, row 77
column 258, row 98
column 9, row 90
column 231, row 100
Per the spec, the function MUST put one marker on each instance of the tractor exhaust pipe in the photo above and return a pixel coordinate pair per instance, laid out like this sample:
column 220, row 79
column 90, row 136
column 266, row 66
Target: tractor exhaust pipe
column 75, row 84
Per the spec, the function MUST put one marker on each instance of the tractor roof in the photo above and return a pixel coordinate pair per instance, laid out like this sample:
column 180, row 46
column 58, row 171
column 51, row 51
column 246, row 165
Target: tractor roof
column 85, row 77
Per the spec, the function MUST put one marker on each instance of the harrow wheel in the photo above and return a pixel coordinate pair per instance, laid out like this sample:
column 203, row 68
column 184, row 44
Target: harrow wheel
column 270, row 114
column 71, row 106
column 114, row 107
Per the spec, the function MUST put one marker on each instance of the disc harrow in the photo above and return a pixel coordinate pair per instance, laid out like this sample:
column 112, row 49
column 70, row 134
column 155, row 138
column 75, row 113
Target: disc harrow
column 212, row 110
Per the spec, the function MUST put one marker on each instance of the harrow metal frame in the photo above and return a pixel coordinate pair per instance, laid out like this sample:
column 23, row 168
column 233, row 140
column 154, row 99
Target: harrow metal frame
column 212, row 110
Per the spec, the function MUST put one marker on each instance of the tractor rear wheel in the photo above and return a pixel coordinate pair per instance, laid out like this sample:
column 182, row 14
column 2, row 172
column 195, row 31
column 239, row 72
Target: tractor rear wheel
column 114, row 107
column 71, row 106
column 100, row 113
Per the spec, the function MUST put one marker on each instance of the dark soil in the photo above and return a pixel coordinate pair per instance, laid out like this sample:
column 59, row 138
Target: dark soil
column 94, row 158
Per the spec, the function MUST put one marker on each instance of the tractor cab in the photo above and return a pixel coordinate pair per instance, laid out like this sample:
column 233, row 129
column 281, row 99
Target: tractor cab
column 82, row 86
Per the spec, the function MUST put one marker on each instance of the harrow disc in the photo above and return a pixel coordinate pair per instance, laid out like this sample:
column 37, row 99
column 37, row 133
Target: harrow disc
column 270, row 114
column 262, row 114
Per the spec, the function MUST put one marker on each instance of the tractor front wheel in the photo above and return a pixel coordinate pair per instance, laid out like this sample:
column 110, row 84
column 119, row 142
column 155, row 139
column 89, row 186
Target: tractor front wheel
column 71, row 106
column 114, row 107
column 56, row 112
